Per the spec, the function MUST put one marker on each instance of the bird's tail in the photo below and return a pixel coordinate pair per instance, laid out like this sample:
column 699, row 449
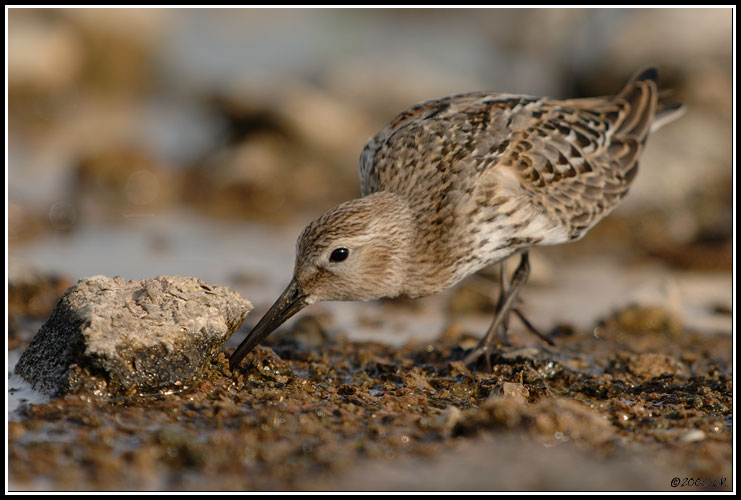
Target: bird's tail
column 667, row 113
column 648, row 112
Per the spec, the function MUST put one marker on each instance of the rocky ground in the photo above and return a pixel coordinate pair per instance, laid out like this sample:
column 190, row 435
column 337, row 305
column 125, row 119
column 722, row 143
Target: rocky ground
column 628, row 408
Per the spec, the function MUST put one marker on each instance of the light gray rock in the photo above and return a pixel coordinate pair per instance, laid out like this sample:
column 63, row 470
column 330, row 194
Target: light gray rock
column 111, row 337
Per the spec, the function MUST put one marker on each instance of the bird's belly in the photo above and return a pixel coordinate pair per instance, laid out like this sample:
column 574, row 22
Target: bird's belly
column 502, row 237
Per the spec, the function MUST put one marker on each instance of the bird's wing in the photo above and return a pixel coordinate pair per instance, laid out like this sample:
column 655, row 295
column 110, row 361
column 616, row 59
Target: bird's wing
column 436, row 141
column 576, row 159
column 557, row 166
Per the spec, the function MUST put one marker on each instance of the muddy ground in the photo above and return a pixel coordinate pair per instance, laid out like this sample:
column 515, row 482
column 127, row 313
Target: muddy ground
column 634, row 404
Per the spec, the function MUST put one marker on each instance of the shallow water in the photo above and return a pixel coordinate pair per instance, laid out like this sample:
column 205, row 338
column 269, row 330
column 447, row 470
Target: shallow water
column 20, row 392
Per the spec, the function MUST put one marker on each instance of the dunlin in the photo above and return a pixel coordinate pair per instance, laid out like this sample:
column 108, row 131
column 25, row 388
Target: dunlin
column 456, row 184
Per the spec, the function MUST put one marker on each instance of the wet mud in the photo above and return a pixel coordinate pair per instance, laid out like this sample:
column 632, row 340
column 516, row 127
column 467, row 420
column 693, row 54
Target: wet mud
column 307, row 412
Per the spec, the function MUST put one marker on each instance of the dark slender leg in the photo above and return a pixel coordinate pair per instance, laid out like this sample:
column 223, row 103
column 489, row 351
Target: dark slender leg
column 530, row 327
column 503, row 333
column 504, row 308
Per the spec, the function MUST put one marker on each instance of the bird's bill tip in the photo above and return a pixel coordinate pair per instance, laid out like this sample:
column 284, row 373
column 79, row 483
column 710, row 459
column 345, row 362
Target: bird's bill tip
column 291, row 301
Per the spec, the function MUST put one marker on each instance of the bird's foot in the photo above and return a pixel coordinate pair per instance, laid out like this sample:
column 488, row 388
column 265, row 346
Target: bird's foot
column 490, row 344
column 493, row 342
column 485, row 351
column 506, row 304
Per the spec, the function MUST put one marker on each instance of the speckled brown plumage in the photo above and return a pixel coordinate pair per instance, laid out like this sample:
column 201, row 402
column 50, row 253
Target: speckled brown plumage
column 534, row 170
column 455, row 184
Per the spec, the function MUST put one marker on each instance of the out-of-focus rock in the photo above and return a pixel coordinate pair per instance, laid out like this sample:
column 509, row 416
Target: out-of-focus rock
column 326, row 121
column 649, row 365
column 23, row 223
column 33, row 292
column 116, row 61
column 334, row 125
column 111, row 337
column 121, row 181
column 667, row 34
column 267, row 175
column 289, row 148
column 31, row 295
column 42, row 56
column 49, row 50
column 550, row 419
column 642, row 319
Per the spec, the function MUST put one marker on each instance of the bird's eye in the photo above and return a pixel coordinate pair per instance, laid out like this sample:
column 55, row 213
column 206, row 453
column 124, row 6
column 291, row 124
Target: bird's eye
column 339, row 254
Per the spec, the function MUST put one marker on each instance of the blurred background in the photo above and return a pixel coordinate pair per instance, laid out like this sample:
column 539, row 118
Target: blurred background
column 199, row 142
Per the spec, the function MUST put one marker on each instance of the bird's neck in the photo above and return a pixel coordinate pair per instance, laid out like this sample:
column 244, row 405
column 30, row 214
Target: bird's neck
column 423, row 245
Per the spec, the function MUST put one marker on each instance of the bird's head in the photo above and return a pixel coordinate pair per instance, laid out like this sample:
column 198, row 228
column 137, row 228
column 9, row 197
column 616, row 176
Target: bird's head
column 357, row 251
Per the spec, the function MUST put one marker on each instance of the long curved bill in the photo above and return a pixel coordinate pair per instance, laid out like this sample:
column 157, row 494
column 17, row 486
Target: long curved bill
column 291, row 301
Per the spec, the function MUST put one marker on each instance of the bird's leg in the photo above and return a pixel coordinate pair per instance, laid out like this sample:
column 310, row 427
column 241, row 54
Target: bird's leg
column 530, row 327
column 504, row 307
column 503, row 333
